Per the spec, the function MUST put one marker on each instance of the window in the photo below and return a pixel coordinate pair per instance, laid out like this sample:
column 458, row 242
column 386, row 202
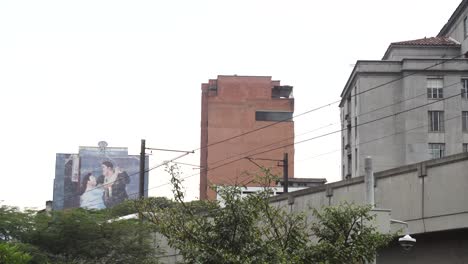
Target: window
column 355, row 160
column 465, row 26
column 465, row 147
column 465, row 121
column 464, row 89
column 435, row 88
column 436, row 121
column 273, row 116
column 349, row 167
column 348, row 105
column 355, row 130
column 436, row 150
column 342, row 146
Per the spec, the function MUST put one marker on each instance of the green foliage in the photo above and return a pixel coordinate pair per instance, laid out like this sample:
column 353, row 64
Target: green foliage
column 11, row 254
column 251, row 230
column 79, row 236
column 86, row 235
column 14, row 223
column 345, row 234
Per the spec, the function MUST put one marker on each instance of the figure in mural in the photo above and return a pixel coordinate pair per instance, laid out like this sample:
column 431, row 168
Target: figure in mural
column 114, row 183
column 91, row 193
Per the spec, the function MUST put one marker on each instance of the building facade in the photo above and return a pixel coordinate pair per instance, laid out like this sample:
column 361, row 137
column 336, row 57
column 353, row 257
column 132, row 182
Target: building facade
column 233, row 107
column 410, row 106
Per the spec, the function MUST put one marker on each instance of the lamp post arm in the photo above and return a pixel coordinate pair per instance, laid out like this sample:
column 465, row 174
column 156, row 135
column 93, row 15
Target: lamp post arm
column 393, row 221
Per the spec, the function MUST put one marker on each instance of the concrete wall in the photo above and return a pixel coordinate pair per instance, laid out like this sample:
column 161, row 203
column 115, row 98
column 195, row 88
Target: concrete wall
column 403, row 138
column 456, row 30
column 437, row 247
column 168, row 255
column 431, row 196
column 230, row 111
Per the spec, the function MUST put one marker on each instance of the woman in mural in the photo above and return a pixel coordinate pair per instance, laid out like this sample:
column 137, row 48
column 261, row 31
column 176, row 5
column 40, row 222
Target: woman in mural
column 115, row 182
column 91, row 193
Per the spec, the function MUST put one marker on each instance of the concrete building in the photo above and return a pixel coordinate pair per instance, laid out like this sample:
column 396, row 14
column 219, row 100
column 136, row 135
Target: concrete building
column 232, row 106
column 410, row 106
column 294, row 184
column 430, row 196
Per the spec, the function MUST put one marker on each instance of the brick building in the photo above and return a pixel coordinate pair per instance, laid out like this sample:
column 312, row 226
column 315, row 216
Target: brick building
column 233, row 105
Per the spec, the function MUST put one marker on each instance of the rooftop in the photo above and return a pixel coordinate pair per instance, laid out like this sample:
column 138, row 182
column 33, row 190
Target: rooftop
column 433, row 41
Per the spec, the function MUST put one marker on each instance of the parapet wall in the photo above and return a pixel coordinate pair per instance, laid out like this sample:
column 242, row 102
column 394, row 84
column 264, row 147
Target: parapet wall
column 431, row 195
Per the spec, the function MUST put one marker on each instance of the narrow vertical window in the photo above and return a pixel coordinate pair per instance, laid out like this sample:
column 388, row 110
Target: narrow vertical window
column 355, row 161
column 355, row 130
column 464, row 89
column 465, row 147
column 465, row 121
column 342, row 146
column 350, row 164
column 436, row 121
column 435, row 88
column 465, row 26
column 348, row 105
column 436, row 150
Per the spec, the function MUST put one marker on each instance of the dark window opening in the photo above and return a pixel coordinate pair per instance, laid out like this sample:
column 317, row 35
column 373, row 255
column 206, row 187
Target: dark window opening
column 213, row 88
column 273, row 116
column 464, row 89
column 436, row 121
column 465, row 121
column 465, row 27
column 284, row 91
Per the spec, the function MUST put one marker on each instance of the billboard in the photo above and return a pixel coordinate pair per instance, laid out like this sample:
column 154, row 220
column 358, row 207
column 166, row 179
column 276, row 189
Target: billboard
column 96, row 178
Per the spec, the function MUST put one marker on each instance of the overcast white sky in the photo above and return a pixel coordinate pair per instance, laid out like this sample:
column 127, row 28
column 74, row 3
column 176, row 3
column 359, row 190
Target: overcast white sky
column 73, row 73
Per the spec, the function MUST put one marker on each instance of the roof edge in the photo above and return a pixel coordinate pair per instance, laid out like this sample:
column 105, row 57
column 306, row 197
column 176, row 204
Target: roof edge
column 391, row 46
column 456, row 14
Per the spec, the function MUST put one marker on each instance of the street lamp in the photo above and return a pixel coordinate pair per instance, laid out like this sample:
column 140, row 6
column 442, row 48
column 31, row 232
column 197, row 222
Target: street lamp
column 407, row 242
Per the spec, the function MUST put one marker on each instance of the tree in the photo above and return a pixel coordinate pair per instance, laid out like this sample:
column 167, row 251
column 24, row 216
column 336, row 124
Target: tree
column 11, row 254
column 251, row 230
column 14, row 223
column 88, row 235
column 79, row 236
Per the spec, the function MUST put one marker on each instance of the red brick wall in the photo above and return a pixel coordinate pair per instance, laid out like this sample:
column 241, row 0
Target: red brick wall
column 232, row 112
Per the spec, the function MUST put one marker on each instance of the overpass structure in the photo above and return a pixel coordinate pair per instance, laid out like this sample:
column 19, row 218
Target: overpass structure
column 431, row 196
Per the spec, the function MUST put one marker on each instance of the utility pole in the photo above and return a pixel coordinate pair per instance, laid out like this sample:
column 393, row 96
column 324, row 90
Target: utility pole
column 142, row 169
column 285, row 173
column 369, row 185
column 284, row 164
column 369, row 181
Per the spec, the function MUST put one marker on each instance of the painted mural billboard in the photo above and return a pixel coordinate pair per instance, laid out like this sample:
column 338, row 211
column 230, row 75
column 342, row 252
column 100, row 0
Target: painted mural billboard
column 96, row 178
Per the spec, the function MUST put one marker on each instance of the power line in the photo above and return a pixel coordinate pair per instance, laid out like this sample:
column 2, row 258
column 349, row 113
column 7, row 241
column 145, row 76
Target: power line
column 119, row 179
column 361, row 114
column 274, row 143
column 341, row 130
column 443, row 61
column 304, row 113
column 320, row 136
column 263, row 127
column 366, row 142
column 376, row 139
column 402, row 101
